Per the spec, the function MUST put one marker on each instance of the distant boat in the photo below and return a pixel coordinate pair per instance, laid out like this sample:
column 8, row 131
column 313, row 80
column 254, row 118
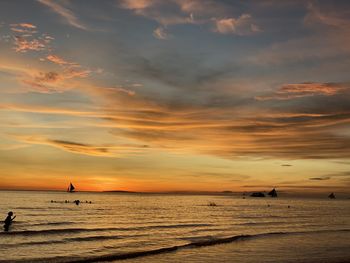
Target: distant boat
column 71, row 188
column 257, row 194
column 273, row 193
column 331, row 196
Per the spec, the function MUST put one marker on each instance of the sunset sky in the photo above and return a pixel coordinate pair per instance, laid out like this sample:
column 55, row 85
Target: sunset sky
column 175, row 95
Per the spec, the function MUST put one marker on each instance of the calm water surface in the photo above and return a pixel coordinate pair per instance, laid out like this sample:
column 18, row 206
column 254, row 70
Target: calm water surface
column 175, row 228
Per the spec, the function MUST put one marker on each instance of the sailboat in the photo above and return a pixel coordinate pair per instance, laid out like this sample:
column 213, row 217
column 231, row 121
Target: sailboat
column 71, row 188
column 331, row 196
column 273, row 193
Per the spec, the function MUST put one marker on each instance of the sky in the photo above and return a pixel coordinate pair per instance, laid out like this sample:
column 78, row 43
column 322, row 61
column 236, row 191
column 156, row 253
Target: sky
column 175, row 95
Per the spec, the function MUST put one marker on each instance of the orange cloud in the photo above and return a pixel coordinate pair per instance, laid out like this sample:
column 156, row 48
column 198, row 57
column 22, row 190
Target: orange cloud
column 24, row 28
column 57, row 60
column 129, row 92
column 51, row 82
column 242, row 25
column 23, row 45
column 27, row 25
column 27, row 39
column 46, row 81
column 70, row 73
column 50, row 110
column 138, row 4
column 227, row 132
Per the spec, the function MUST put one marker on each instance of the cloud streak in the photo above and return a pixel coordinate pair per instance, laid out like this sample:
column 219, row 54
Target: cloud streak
column 64, row 12
column 292, row 91
column 81, row 148
column 58, row 60
column 320, row 178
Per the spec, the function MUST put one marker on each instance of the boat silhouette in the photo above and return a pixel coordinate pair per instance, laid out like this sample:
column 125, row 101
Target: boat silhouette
column 273, row 193
column 331, row 196
column 71, row 188
column 257, row 194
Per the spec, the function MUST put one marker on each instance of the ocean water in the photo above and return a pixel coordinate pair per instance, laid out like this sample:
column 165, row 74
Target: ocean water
column 173, row 228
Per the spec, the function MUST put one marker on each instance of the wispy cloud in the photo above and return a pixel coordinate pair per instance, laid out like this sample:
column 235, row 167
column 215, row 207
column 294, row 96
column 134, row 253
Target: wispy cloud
column 292, row 91
column 53, row 82
column 37, row 78
column 64, row 12
column 27, row 25
column 190, row 128
column 328, row 25
column 242, row 25
column 108, row 150
column 74, row 147
column 23, row 45
column 327, row 14
column 41, row 81
column 24, row 28
column 319, row 178
column 160, row 33
column 26, row 38
column 81, row 148
column 58, row 60
column 155, row 10
column 126, row 91
column 207, row 12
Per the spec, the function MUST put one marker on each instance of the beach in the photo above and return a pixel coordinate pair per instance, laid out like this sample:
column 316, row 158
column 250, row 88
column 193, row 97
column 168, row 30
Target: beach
column 173, row 228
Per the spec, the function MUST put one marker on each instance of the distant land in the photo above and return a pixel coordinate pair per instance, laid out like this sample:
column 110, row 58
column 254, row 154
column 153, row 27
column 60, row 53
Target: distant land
column 180, row 192
column 120, row 191
column 283, row 193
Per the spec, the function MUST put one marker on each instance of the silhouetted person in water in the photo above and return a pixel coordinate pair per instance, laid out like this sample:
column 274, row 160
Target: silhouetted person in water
column 77, row 202
column 8, row 221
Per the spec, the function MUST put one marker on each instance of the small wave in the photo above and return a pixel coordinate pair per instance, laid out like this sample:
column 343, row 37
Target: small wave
column 78, row 230
column 54, row 224
column 72, row 239
column 92, row 238
column 260, row 223
column 55, row 231
column 262, row 216
column 181, row 225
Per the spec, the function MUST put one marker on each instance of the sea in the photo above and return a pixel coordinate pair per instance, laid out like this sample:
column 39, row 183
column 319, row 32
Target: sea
column 132, row 227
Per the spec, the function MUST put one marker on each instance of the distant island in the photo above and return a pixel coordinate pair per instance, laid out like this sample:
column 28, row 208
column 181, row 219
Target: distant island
column 120, row 191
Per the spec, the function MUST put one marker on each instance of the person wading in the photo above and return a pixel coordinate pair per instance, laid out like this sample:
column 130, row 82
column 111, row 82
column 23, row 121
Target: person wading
column 8, row 221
